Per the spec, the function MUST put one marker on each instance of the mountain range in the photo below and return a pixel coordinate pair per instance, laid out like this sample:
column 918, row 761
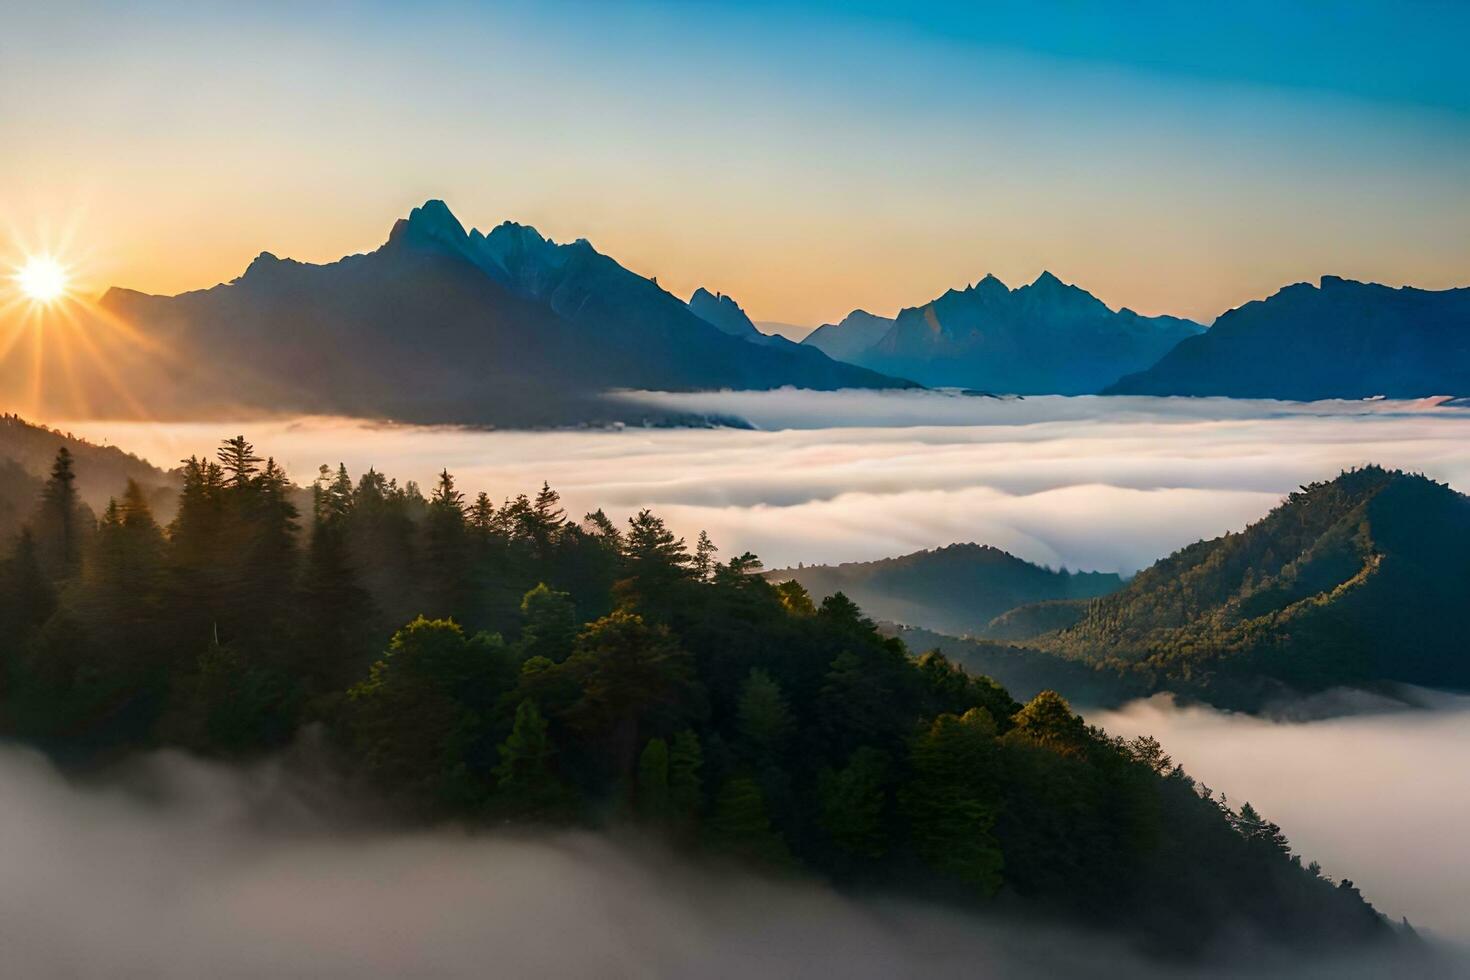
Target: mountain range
column 1342, row 339
column 444, row 325
column 961, row 589
column 1047, row 337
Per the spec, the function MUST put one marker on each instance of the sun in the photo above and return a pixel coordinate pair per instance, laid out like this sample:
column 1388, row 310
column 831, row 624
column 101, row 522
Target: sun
column 42, row 279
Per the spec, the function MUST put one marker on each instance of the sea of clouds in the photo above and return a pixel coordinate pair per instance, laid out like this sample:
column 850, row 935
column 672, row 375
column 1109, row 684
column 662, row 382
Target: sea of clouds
column 170, row 867
column 1379, row 794
column 179, row 868
column 1090, row 483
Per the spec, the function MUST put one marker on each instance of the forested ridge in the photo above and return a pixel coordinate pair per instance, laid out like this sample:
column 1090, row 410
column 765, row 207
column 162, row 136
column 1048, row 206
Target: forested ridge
column 964, row 589
column 1354, row 581
column 496, row 663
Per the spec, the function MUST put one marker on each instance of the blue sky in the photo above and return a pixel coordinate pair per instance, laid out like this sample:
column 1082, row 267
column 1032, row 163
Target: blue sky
column 807, row 158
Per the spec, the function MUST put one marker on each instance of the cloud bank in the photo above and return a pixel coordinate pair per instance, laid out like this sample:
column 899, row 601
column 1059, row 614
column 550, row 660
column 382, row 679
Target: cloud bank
column 1094, row 483
column 1381, row 797
column 174, row 868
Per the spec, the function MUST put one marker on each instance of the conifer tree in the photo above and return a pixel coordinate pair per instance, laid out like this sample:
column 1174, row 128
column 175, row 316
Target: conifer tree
column 764, row 717
column 740, row 826
column 652, row 796
column 525, row 782
column 686, row 788
column 851, row 803
column 59, row 524
column 704, row 556
column 952, row 799
column 550, row 624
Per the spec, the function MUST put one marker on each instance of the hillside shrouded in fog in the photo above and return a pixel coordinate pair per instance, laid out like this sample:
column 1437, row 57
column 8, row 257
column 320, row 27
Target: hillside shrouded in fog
column 174, row 868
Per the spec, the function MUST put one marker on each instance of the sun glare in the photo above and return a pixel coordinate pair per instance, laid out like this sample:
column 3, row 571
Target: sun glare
column 42, row 279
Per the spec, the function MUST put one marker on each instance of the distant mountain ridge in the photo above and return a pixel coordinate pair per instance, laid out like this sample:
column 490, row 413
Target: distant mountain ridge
column 725, row 314
column 1047, row 337
column 1342, row 339
column 960, row 589
column 444, row 325
column 847, row 339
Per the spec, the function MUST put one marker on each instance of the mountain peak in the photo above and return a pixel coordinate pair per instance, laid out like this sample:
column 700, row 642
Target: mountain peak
column 991, row 285
column 723, row 313
column 434, row 216
column 432, row 223
column 1047, row 280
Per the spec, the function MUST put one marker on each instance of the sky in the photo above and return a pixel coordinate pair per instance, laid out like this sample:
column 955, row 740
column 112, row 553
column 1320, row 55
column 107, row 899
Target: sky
column 807, row 158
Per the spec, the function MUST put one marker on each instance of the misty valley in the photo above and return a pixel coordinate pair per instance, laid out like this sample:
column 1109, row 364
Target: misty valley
column 652, row 490
column 349, row 662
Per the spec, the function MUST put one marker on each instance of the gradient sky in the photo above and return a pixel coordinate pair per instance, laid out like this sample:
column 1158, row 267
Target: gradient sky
column 807, row 158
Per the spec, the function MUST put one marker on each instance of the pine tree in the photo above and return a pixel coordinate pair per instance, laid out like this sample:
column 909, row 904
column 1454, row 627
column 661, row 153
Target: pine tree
column 740, row 826
column 550, row 624
column 952, row 800
column 704, row 556
column 237, row 458
column 59, row 524
column 525, row 781
column 764, row 717
column 653, row 782
column 633, row 676
column 851, row 803
column 446, row 551
column 686, row 788
column 27, row 598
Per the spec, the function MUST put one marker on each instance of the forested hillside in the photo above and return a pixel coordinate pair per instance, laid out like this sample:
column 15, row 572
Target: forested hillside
column 28, row 453
column 959, row 589
column 1355, row 581
column 494, row 662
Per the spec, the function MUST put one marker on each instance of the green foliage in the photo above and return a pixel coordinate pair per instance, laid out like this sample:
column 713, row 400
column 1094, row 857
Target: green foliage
column 525, row 779
column 952, row 800
column 718, row 708
column 653, row 783
column 550, row 624
column 765, row 721
column 686, row 787
column 739, row 825
column 1359, row 579
column 851, row 804
column 634, row 678
column 420, row 719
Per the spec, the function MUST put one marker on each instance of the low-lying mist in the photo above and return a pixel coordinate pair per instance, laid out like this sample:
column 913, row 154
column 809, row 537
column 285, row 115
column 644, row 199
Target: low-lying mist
column 1381, row 796
column 1090, row 483
column 172, row 868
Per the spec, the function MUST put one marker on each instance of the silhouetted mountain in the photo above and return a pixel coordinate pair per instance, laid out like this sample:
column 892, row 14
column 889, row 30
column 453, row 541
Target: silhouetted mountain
column 794, row 332
column 959, row 589
column 440, row 325
column 847, row 340
column 1354, row 582
column 1345, row 339
column 725, row 314
column 1045, row 338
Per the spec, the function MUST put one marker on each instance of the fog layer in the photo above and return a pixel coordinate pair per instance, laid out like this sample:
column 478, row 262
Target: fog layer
column 179, row 869
column 1092, row 483
column 1381, row 797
